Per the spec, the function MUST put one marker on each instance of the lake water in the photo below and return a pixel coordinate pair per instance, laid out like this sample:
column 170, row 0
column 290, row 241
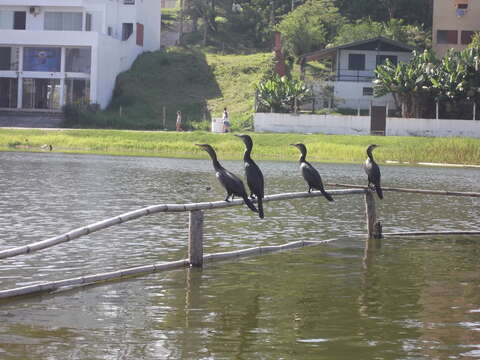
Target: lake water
column 412, row 299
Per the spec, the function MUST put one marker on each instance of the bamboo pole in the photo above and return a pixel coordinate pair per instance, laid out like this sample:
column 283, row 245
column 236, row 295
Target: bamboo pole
column 432, row 233
column 141, row 270
column 82, row 231
column 195, row 244
column 413, row 191
column 91, row 279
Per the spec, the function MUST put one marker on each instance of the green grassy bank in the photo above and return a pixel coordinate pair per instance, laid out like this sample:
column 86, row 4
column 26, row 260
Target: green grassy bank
column 331, row 148
column 196, row 82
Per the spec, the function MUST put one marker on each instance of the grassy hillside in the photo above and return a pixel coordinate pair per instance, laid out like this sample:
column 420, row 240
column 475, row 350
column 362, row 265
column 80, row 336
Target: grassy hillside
column 186, row 79
column 332, row 148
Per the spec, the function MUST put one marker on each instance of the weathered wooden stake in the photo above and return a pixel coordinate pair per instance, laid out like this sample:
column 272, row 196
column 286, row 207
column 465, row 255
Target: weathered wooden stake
column 195, row 245
column 370, row 213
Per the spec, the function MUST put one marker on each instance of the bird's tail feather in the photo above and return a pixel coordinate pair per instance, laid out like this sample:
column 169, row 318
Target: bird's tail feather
column 249, row 203
column 327, row 195
column 260, row 208
column 379, row 191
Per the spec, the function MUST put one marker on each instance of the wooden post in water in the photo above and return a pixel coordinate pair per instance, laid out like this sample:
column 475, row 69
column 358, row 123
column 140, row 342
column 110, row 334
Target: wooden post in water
column 195, row 244
column 372, row 225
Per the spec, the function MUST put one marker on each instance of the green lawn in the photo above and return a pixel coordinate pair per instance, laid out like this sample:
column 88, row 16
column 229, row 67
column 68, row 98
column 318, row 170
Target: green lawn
column 329, row 148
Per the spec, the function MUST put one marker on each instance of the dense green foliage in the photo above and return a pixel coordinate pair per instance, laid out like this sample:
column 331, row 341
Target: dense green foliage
column 310, row 26
column 244, row 25
column 281, row 94
column 334, row 148
column 416, row 86
column 395, row 29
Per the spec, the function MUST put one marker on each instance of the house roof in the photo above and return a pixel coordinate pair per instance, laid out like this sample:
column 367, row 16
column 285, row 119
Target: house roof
column 378, row 44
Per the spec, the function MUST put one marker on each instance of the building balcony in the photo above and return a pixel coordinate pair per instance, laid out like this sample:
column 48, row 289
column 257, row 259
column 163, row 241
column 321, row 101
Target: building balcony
column 47, row 37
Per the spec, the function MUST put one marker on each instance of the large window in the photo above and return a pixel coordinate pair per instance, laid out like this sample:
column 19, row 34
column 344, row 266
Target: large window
column 13, row 20
column 9, row 58
column 41, row 59
column 447, row 36
column 78, row 60
column 63, row 21
column 41, row 93
column 8, row 93
column 77, row 91
column 356, row 62
column 6, row 20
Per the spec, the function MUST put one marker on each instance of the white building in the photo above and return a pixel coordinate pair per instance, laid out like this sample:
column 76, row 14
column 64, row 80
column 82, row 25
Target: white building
column 54, row 52
column 353, row 68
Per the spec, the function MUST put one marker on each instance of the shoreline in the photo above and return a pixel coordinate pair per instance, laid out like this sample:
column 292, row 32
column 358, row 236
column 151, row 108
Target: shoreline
column 350, row 149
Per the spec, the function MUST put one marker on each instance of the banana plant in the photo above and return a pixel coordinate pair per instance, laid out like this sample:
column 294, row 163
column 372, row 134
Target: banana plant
column 281, row 94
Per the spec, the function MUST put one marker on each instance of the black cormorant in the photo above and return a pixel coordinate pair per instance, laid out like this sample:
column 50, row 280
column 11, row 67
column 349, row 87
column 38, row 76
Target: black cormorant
column 229, row 181
column 310, row 174
column 253, row 174
column 373, row 172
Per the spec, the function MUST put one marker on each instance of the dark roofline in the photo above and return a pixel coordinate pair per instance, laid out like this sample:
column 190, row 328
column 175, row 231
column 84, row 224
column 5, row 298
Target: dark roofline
column 326, row 51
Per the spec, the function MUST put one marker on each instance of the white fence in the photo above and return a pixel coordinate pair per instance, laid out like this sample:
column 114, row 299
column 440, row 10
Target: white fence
column 360, row 125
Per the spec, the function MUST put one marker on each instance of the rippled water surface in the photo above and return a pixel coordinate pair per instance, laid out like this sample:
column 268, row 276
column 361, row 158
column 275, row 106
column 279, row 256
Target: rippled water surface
column 410, row 299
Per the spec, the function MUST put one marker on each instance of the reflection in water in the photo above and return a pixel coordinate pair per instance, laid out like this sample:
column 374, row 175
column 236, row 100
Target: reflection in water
column 406, row 299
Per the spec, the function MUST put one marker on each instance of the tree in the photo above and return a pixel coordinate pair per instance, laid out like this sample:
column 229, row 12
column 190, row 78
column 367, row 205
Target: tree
column 417, row 85
column 409, row 83
column 310, row 26
column 394, row 29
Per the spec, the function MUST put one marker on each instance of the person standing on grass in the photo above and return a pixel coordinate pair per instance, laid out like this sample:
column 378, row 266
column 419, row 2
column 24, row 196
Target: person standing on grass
column 226, row 123
column 179, row 121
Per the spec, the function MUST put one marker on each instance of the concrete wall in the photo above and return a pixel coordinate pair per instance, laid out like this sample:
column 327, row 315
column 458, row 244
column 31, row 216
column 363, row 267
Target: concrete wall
column 360, row 125
column 326, row 124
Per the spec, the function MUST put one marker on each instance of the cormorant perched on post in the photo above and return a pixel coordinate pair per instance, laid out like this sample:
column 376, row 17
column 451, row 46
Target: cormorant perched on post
column 229, row 181
column 373, row 172
column 253, row 174
column 310, row 174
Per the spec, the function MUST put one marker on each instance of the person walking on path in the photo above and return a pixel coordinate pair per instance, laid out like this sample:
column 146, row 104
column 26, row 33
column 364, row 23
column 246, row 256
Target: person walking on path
column 179, row 121
column 226, row 123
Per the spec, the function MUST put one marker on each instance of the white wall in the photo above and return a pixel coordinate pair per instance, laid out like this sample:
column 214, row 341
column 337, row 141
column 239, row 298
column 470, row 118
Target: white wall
column 350, row 95
column 326, row 124
column 360, row 125
column 432, row 127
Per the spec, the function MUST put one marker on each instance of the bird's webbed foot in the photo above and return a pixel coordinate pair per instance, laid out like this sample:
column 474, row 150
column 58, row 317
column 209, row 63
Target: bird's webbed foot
column 226, row 199
column 309, row 190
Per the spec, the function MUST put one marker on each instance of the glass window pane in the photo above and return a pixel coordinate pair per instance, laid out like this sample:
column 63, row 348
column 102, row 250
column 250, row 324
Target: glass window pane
column 6, row 20
column 41, row 93
column 356, row 62
column 9, row 58
column 8, row 93
column 77, row 91
column 41, row 59
column 78, row 60
column 63, row 21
